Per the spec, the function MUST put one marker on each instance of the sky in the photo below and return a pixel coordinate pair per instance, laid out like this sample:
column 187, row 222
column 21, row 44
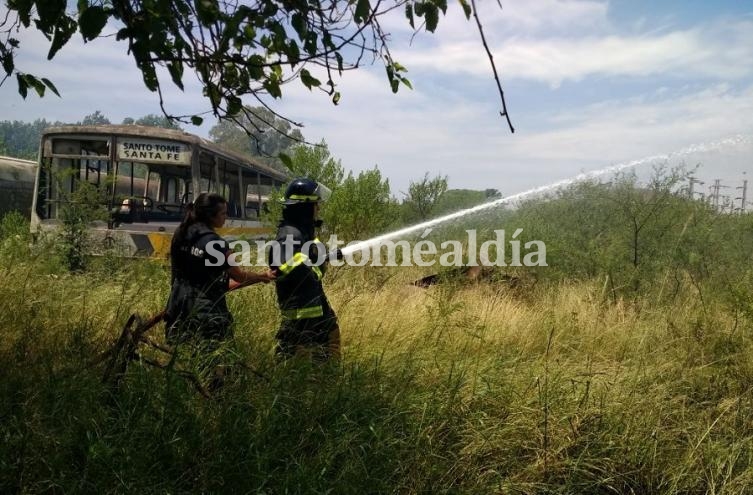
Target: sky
column 588, row 84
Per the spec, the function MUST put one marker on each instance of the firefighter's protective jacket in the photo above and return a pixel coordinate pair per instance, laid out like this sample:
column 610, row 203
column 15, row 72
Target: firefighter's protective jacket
column 299, row 260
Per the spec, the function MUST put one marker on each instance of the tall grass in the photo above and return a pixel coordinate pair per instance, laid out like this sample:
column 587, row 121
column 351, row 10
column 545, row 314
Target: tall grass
column 459, row 388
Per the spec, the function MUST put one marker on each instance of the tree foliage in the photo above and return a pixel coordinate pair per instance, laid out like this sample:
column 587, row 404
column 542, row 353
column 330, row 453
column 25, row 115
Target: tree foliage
column 235, row 49
column 153, row 120
column 257, row 132
column 22, row 138
column 633, row 235
column 458, row 199
column 96, row 118
column 423, row 196
column 317, row 163
column 361, row 206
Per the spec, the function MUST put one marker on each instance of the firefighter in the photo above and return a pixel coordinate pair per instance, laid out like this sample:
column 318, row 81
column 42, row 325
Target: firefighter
column 197, row 311
column 298, row 258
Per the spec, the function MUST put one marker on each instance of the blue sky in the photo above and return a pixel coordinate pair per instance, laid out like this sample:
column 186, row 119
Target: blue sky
column 588, row 84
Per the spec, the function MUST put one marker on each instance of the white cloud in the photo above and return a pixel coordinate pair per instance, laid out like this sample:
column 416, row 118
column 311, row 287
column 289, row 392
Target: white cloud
column 723, row 51
column 553, row 14
column 515, row 17
column 411, row 133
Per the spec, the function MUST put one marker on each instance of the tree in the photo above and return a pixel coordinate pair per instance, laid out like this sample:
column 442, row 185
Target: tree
column 361, row 206
column 423, row 196
column 22, row 138
column 253, row 133
column 458, row 199
column 153, row 120
column 257, row 132
column 316, row 163
column 96, row 118
column 234, row 49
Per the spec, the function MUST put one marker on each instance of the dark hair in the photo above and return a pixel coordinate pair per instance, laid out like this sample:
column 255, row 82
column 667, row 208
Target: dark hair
column 202, row 210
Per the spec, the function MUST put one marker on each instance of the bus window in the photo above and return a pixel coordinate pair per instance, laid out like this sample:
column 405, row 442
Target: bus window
column 131, row 196
column 254, row 193
column 66, row 162
column 208, row 179
column 131, row 180
column 94, row 171
column 230, row 189
column 171, row 195
column 152, row 185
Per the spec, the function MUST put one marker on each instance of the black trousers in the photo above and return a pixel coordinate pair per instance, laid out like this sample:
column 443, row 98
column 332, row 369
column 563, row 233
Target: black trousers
column 306, row 332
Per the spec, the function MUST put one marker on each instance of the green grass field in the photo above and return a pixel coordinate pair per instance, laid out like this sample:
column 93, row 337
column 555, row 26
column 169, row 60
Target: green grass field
column 458, row 388
column 625, row 366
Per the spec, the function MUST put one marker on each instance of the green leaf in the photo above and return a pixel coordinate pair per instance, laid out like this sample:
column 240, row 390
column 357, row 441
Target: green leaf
column 213, row 92
column 8, row 64
column 339, row 58
column 24, row 10
column 176, row 72
column 50, row 13
column 442, row 5
column 35, row 83
column 285, row 159
column 91, row 21
column 243, row 80
column 207, row 11
column 432, row 17
column 309, row 80
column 23, row 86
column 363, row 7
column 49, row 84
column 150, row 77
column 336, row 98
column 466, row 8
column 310, row 44
column 299, row 24
column 196, row 120
column 63, row 32
column 255, row 66
column 234, row 105
column 273, row 88
column 405, row 81
column 123, row 34
column 409, row 14
column 293, row 53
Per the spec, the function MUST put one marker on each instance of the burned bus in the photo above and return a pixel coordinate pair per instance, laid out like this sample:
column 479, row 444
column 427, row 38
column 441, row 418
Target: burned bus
column 142, row 179
column 16, row 185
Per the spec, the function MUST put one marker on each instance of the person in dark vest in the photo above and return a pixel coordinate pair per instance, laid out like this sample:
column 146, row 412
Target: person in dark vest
column 197, row 311
column 298, row 258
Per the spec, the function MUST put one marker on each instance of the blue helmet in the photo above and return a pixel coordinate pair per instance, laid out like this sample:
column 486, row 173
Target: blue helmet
column 305, row 190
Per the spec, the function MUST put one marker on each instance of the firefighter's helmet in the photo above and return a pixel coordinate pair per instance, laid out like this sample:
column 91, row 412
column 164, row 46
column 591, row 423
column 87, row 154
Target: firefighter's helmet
column 305, row 190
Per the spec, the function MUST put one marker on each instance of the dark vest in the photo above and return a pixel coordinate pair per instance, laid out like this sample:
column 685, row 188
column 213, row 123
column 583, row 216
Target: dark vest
column 198, row 291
